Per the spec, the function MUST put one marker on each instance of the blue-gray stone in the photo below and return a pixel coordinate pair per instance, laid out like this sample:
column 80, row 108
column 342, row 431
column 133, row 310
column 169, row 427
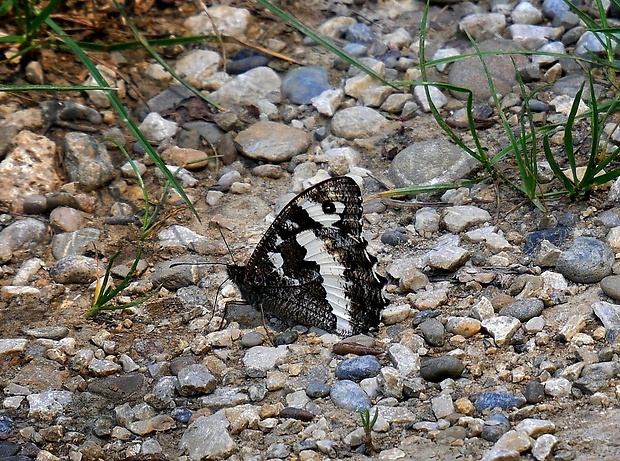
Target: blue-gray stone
column 182, row 414
column 246, row 60
column 317, row 389
column 501, row 400
column 495, row 427
column 552, row 7
column 524, row 309
column 393, row 238
column 304, row 83
column 8, row 449
column 348, row 395
column 588, row 261
column 555, row 235
column 358, row 368
column 359, row 33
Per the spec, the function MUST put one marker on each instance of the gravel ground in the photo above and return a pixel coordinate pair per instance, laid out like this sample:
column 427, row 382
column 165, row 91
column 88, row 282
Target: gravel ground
column 500, row 338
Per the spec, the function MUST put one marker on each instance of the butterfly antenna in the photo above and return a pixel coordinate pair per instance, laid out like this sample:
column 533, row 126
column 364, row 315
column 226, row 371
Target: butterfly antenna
column 219, row 228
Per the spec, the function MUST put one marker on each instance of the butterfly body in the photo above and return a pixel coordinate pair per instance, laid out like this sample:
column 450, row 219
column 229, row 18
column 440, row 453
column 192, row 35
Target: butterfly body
column 312, row 265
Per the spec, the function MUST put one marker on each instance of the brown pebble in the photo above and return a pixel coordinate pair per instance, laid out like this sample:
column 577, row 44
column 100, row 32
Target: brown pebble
column 344, row 348
column 296, row 413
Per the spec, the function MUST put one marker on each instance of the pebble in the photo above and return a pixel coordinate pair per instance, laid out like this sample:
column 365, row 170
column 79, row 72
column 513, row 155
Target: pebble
column 348, row 395
column 74, row 243
column 196, row 379
column 433, row 332
column 490, row 400
column 495, row 427
column 459, row 218
column 75, row 269
column 534, row 392
column 259, row 359
column 611, row 286
column 358, row 368
column 609, row 315
column 302, row 84
column 361, row 122
column 25, row 234
column 588, row 260
column 523, row 309
column 272, row 142
column 437, row 369
column 208, row 437
column 464, row 326
column 87, row 161
column 429, row 162
column 502, row 328
column 558, row 387
column 31, row 156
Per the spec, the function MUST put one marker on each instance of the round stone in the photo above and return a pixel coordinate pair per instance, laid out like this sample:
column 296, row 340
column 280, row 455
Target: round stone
column 588, row 261
column 524, row 309
column 611, row 286
column 349, row 396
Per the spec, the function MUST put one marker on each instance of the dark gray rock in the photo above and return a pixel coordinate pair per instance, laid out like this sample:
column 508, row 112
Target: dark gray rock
column 611, row 286
column 524, row 309
column 534, row 392
column 439, row 368
column 317, row 389
column 588, row 261
column 495, row 427
column 433, row 332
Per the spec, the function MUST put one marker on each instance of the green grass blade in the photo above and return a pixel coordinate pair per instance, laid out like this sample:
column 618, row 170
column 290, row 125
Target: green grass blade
column 328, row 45
column 144, row 42
column 569, row 146
column 42, row 16
column 120, row 109
column 557, row 171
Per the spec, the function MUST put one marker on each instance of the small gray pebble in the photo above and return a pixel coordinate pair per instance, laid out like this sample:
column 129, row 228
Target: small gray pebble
column 524, row 309
column 251, row 339
column 439, row 368
column 393, row 238
column 534, row 392
column 497, row 426
column 433, row 332
column 611, row 286
column 317, row 389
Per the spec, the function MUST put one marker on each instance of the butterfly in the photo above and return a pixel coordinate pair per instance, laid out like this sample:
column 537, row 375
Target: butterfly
column 312, row 266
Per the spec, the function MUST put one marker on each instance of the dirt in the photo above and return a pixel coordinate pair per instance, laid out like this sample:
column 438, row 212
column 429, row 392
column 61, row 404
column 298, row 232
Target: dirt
column 162, row 321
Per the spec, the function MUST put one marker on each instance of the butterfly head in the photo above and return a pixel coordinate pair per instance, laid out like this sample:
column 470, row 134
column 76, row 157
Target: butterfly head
column 236, row 273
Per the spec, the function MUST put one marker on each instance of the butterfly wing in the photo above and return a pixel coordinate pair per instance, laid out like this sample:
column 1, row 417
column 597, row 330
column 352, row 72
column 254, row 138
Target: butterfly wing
column 312, row 265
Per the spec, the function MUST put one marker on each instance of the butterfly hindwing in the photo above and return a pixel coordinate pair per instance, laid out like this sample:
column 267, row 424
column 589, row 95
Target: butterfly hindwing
column 312, row 266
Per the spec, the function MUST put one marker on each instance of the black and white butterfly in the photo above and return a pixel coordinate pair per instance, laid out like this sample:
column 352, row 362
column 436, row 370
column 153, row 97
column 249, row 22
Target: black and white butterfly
column 312, row 266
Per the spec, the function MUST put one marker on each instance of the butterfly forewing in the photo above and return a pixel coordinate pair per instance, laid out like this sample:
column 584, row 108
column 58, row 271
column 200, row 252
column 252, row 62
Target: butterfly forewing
column 312, row 266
